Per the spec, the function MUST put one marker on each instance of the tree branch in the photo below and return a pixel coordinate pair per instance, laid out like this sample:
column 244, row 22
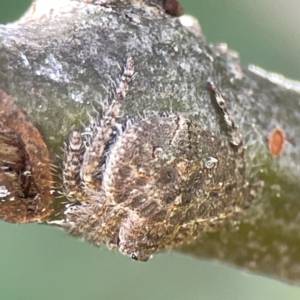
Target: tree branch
column 58, row 68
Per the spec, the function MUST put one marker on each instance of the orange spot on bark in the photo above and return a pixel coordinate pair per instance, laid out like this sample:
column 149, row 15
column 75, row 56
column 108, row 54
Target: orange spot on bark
column 277, row 142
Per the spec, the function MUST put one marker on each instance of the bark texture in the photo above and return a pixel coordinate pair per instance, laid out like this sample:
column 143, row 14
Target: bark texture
column 59, row 66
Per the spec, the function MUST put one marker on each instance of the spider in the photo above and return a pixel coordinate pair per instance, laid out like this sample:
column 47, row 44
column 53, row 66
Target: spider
column 153, row 183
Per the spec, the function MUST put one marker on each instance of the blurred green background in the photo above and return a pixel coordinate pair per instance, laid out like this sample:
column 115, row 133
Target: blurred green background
column 38, row 262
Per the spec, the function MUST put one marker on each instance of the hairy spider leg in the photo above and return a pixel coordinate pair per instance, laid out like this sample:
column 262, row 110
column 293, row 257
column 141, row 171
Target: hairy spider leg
column 236, row 137
column 72, row 160
column 80, row 162
column 102, row 129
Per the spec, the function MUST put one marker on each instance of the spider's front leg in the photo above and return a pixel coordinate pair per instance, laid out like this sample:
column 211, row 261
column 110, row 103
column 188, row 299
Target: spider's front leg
column 81, row 163
column 71, row 166
column 101, row 131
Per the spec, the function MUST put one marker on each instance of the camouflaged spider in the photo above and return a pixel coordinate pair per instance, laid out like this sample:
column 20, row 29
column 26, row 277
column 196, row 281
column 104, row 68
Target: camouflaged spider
column 154, row 184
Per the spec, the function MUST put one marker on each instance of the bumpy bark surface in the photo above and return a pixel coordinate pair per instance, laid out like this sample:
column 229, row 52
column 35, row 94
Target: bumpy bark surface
column 58, row 67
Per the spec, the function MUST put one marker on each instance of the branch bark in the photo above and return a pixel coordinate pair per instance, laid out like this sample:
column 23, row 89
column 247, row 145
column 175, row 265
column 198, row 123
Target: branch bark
column 58, row 67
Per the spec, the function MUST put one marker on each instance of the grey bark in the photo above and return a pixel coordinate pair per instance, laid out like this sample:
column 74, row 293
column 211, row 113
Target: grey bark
column 59, row 69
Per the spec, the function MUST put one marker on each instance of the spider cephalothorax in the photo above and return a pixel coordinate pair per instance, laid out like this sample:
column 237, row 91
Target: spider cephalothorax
column 156, row 183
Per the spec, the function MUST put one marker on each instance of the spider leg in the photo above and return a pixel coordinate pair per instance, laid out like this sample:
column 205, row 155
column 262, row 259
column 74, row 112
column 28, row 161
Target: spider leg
column 71, row 167
column 236, row 137
column 95, row 222
column 101, row 129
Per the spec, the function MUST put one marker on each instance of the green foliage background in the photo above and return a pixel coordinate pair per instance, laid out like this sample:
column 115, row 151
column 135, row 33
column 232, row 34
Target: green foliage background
column 40, row 262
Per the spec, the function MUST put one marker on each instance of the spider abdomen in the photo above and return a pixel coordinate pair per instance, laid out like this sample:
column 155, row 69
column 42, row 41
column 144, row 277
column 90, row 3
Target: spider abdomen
column 169, row 172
